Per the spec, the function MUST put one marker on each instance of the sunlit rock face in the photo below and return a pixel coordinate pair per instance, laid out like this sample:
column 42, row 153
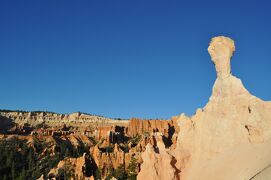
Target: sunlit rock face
column 227, row 139
column 221, row 50
column 159, row 165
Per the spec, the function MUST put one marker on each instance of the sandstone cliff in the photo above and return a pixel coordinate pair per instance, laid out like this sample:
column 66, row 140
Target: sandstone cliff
column 37, row 117
column 228, row 139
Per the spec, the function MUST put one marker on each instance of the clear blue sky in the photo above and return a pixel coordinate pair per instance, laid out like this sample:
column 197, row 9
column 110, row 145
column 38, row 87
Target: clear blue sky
column 126, row 58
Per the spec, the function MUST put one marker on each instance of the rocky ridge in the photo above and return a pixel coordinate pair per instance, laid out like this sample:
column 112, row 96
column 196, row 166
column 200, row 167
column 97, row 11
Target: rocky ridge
column 36, row 117
column 228, row 139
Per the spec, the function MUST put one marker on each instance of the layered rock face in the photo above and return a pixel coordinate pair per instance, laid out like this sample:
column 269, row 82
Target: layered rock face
column 138, row 126
column 228, row 139
column 36, row 117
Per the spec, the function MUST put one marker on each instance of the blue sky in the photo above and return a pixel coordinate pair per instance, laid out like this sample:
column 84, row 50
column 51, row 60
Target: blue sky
column 125, row 58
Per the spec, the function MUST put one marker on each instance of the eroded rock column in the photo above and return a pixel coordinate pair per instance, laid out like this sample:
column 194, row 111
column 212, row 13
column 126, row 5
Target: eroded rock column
column 221, row 50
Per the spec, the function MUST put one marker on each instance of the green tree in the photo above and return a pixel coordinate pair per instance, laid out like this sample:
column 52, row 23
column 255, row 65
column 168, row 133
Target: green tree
column 120, row 173
column 67, row 171
column 110, row 171
column 97, row 175
column 22, row 175
column 132, row 169
column 13, row 170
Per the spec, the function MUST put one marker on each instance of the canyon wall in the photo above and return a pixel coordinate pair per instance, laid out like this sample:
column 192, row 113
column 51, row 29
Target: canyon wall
column 36, row 117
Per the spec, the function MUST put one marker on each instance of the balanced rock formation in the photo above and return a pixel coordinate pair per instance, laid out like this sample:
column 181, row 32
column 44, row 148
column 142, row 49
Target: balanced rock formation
column 221, row 50
column 230, row 138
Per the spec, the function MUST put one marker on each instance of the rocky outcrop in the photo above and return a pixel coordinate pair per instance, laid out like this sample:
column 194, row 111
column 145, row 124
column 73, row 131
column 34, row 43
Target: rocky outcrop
column 167, row 129
column 159, row 163
column 112, row 158
column 139, row 126
column 78, row 168
column 229, row 138
column 5, row 124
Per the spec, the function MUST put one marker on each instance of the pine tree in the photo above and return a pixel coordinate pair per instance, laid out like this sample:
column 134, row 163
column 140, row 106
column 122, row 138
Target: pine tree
column 22, row 175
column 97, row 175
column 13, row 170
column 120, row 173
column 132, row 169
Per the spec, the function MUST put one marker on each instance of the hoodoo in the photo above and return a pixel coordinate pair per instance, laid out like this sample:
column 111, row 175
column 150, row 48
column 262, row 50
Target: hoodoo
column 230, row 138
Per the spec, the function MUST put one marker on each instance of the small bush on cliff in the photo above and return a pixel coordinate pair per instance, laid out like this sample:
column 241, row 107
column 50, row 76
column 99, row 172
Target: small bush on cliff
column 66, row 172
column 94, row 141
column 41, row 125
column 97, row 175
column 120, row 173
column 107, row 149
column 124, row 148
column 135, row 140
column 132, row 169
